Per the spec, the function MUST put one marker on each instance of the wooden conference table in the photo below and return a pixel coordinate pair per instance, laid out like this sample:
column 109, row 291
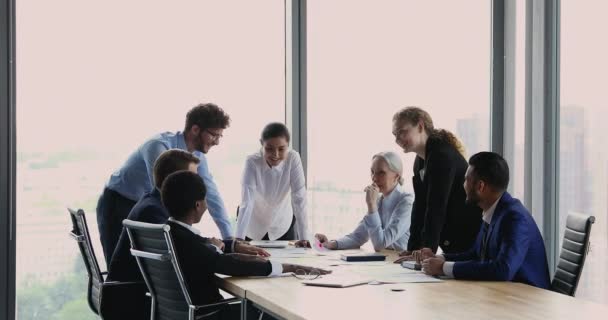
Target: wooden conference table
column 288, row 298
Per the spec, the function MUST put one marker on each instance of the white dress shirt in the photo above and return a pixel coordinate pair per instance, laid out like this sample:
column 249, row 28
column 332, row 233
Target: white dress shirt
column 271, row 196
column 277, row 268
column 448, row 266
column 389, row 227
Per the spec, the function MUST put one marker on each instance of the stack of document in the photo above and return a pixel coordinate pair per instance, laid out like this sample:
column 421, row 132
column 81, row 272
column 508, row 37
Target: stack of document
column 269, row 243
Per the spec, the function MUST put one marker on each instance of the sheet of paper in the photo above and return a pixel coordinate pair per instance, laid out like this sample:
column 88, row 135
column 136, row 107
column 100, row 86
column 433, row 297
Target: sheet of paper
column 339, row 280
column 269, row 243
column 288, row 252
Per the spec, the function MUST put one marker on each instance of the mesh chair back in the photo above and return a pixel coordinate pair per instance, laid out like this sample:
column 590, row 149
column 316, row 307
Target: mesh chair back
column 572, row 256
column 80, row 233
column 151, row 245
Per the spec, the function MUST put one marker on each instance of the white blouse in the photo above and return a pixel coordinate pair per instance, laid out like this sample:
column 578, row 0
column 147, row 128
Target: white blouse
column 271, row 196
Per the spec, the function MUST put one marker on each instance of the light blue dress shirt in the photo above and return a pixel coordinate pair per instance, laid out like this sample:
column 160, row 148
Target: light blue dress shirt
column 136, row 176
column 389, row 227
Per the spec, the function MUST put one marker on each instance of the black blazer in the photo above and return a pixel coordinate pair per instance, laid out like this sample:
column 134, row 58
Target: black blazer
column 132, row 304
column 200, row 261
column 123, row 266
column 440, row 216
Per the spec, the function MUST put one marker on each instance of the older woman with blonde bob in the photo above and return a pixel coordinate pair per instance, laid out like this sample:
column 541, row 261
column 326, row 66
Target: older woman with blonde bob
column 387, row 221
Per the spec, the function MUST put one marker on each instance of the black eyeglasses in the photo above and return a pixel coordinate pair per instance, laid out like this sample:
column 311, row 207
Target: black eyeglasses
column 306, row 275
column 214, row 136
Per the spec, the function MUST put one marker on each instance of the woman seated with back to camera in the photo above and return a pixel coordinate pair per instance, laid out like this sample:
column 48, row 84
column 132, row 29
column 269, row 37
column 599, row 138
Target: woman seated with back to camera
column 387, row 221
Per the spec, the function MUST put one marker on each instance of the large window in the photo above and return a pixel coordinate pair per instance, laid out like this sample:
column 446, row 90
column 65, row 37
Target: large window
column 380, row 57
column 583, row 180
column 95, row 79
column 517, row 167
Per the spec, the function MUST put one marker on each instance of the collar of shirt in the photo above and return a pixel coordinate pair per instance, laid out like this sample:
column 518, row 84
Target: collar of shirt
column 277, row 168
column 388, row 200
column 185, row 225
column 196, row 232
column 180, row 141
column 487, row 215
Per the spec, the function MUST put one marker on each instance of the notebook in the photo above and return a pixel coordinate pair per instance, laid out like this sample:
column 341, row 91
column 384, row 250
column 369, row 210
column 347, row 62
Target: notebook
column 363, row 257
column 270, row 243
column 338, row 281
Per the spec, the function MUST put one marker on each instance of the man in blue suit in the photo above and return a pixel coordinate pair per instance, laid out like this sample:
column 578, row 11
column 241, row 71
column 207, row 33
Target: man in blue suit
column 509, row 246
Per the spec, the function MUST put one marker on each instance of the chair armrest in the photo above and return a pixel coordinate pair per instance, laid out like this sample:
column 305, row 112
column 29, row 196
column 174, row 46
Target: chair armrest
column 78, row 238
column 202, row 312
column 119, row 283
column 218, row 304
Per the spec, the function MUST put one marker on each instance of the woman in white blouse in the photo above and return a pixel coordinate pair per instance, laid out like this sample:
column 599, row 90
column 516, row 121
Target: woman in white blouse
column 387, row 221
column 273, row 202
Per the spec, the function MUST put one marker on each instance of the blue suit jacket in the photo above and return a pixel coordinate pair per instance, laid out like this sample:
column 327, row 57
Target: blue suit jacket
column 516, row 251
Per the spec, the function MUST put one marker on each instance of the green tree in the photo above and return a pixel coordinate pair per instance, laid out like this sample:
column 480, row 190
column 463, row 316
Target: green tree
column 64, row 299
column 74, row 310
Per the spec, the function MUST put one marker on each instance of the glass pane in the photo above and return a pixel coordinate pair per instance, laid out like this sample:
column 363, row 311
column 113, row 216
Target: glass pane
column 583, row 155
column 382, row 56
column 517, row 168
column 95, row 79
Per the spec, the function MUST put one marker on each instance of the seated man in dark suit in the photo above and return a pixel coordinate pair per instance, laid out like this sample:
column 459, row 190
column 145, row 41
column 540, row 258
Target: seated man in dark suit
column 183, row 194
column 149, row 208
column 509, row 246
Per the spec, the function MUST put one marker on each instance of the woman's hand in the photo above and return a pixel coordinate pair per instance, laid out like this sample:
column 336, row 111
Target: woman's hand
column 332, row 245
column 302, row 244
column 321, row 237
column 371, row 198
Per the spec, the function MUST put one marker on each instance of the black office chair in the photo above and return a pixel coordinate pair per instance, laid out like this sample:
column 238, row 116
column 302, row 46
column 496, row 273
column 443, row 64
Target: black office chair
column 152, row 247
column 572, row 256
column 99, row 291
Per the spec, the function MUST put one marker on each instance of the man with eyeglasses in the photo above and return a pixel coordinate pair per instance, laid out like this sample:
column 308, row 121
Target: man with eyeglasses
column 205, row 124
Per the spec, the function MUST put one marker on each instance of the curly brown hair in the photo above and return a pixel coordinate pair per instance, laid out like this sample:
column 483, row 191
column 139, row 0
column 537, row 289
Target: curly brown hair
column 415, row 115
column 206, row 116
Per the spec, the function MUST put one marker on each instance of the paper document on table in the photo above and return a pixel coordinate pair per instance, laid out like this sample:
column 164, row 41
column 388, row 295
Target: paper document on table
column 269, row 243
column 361, row 264
column 282, row 275
column 338, row 280
column 394, row 274
column 288, row 253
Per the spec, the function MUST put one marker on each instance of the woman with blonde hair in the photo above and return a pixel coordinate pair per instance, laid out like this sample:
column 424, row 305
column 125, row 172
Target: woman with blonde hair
column 440, row 216
column 387, row 221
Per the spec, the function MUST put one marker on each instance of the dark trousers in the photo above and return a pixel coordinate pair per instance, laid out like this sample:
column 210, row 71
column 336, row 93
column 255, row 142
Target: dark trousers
column 112, row 208
column 289, row 235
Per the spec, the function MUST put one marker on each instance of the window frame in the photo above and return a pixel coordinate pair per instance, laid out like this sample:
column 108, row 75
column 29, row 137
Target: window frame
column 7, row 159
column 542, row 122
